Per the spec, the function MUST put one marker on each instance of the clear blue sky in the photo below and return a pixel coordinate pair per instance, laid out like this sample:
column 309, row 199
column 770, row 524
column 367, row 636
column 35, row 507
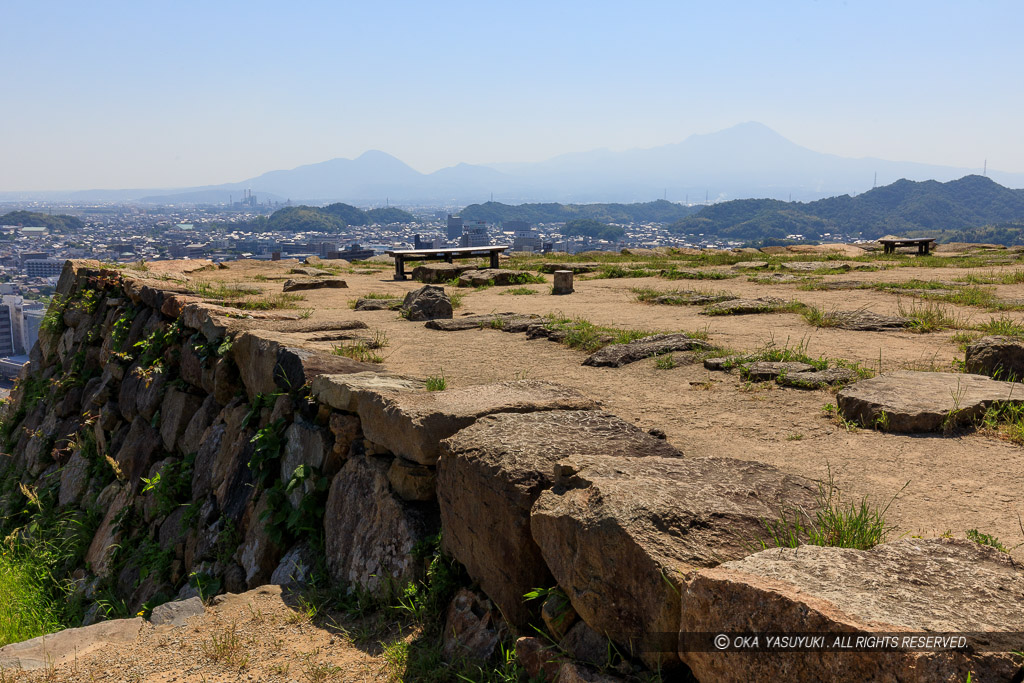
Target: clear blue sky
column 160, row 93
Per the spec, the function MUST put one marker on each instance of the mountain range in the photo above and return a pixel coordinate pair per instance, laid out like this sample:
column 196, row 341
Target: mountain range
column 903, row 207
column 744, row 161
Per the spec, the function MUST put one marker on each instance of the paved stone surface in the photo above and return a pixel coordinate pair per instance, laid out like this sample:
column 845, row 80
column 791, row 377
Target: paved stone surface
column 617, row 355
column 489, row 476
column 923, row 401
column 56, row 648
column 412, row 424
column 621, row 537
column 935, row 585
column 996, row 356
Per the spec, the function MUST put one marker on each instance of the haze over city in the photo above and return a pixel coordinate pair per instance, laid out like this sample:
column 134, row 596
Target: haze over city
column 128, row 95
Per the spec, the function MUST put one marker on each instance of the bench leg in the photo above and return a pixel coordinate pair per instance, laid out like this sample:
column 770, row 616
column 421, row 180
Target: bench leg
column 448, row 259
column 494, row 259
column 399, row 268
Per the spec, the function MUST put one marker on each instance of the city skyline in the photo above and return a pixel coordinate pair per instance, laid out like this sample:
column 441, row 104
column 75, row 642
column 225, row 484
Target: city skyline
column 115, row 95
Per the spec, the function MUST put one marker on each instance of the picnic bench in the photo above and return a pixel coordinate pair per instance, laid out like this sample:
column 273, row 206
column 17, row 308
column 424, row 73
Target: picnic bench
column 447, row 255
column 889, row 244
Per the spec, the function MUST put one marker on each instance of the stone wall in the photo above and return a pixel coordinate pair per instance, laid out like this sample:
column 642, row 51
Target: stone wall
column 200, row 448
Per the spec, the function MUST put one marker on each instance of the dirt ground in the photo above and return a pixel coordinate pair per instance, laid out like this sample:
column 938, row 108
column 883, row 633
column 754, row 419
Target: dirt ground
column 262, row 635
column 953, row 483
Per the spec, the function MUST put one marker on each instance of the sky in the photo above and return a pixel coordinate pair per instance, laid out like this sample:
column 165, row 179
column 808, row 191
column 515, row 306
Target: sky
column 173, row 94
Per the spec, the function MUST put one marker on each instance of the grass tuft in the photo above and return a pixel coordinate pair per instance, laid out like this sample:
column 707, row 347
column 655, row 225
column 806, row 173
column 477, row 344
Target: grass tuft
column 835, row 523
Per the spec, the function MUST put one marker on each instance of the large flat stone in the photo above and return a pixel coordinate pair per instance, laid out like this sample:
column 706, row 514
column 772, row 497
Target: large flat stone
column 269, row 362
column 617, row 355
column 910, row 401
column 344, row 392
column 621, row 537
column 500, row 277
column 763, row 371
column 691, row 299
column 176, row 613
column 412, row 424
column 489, row 476
column 506, row 322
column 62, row 646
column 913, row 585
column 817, row 380
column 434, row 273
column 743, row 306
column 867, row 321
column 301, row 284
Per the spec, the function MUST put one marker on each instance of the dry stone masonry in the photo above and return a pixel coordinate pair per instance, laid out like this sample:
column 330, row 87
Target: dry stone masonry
column 207, row 452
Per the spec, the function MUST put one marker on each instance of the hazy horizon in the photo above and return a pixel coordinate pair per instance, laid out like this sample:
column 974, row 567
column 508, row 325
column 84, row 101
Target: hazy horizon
column 120, row 95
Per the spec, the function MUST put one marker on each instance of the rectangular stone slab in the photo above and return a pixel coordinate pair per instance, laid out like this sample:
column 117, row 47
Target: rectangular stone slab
column 621, row 537
column 344, row 392
column 911, row 401
column 914, row 585
column 413, row 424
column 489, row 476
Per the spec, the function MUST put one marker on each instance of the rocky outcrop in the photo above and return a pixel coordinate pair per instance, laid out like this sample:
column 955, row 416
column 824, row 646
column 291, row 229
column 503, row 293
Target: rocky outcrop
column 617, row 355
column 427, row 303
column 412, row 424
column 913, row 586
column 999, row 357
column 621, row 537
column 909, row 401
column 492, row 472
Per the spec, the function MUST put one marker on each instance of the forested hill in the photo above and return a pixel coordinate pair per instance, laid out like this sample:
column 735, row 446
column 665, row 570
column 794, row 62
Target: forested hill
column 330, row 218
column 32, row 219
column 659, row 211
column 902, row 207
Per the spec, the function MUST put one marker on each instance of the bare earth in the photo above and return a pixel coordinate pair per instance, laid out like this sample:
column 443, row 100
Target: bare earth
column 261, row 635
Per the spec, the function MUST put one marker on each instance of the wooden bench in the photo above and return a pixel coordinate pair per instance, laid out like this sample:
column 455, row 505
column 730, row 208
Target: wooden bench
column 889, row 245
column 447, row 255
